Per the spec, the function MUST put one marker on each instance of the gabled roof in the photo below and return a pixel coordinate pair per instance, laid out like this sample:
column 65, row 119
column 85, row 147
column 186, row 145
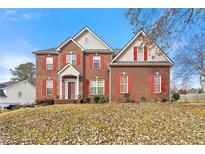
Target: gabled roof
column 67, row 41
column 95, row 35
column 4, row 85
column 10, row 84
column 66, row 66
column 132, row 40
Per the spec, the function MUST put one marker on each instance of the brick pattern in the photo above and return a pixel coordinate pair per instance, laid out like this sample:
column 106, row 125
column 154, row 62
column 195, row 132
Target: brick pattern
column 140, row 83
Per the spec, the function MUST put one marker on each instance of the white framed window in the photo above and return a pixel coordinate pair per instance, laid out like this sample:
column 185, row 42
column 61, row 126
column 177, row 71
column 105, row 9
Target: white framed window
column 96, row 62
column 140, row 53
column 49, row 63
column 124, row 84
column 49, row 87
column 97, row 87
column 157, row 83
column 19, row 94
column 71, row 58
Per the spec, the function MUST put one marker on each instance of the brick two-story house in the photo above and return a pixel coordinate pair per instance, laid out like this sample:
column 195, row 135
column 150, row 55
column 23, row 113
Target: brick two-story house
column 84, row 65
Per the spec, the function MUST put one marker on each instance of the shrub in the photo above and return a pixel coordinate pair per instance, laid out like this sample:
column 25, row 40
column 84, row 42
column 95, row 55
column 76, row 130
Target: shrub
column 96, row 99
column 175, row 96
column 45, row 102
column 200, row 91
column 143, row 99
column 103, row 99
column 127, row 98
column 86, row 99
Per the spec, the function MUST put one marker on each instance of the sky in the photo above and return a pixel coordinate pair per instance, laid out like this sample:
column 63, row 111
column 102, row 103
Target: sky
column 25, row 30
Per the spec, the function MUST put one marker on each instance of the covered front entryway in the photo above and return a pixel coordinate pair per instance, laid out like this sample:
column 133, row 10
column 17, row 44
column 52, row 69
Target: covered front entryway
column 68, row 82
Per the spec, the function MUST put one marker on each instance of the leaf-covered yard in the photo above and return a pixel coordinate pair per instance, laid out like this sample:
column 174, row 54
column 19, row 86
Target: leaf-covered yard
column 145, row 123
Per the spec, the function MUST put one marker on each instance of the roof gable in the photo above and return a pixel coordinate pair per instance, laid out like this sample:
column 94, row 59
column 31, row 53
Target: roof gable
column 133, row 42
column 93, row 41
column 66, row 42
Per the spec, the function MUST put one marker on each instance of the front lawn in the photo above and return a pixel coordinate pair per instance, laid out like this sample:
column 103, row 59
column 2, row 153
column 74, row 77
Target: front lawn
column 145, row 123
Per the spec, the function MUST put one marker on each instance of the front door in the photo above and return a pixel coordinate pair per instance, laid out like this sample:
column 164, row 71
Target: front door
column 71, row 90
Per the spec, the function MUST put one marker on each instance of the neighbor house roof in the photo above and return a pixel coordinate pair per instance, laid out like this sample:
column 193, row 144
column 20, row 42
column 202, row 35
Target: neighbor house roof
column 4, row 85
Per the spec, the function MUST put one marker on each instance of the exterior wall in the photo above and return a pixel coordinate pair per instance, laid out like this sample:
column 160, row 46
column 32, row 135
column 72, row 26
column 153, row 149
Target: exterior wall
column 128, row 55
column 42, row 74
column 72, row 47
column 28, row 94
column 91, row 73
column 140, row 83
column 93, row 42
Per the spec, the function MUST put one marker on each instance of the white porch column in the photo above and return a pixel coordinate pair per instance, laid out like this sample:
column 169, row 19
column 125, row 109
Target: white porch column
column 77, row 85
column 60, row 87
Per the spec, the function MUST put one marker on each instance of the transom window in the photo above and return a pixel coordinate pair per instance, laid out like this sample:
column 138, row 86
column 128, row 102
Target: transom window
column 124, row 84
column 49, row 87
column 49, row 63
column 140, row 53
column 96, row 62
column 157, row 83
column 19, row 93
column 71, row 58
column 97, row 87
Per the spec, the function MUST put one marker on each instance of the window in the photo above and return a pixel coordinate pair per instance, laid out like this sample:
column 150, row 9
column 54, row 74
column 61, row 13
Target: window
column 86, row 40
column 157, row 84
column 49, row 87
column 124, row 84
column 49, row 63
column 140, row 53
column 97, row 87
column 19, row 93
column 71, row 58
column 96, row 62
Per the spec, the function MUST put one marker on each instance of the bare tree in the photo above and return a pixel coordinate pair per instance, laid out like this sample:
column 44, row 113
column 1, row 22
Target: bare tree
column 190, row 59
column 166, row 25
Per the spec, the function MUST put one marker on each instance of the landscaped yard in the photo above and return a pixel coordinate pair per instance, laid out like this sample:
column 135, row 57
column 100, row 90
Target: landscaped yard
column 144, row 123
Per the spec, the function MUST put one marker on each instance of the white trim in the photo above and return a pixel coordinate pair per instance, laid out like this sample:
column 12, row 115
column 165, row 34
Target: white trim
column 133, row 39
column 66, row 87
column 69, row 39
column 86, row 28
column 96, row 86
column 68, row 64
column 99, row 62
column 127, row 85
column 46, row 88
column 160, row 83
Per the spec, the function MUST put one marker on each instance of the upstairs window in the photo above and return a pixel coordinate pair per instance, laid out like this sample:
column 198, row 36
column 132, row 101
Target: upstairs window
column 96, row 62
column 157, row 83
column 97, row 87
column 49, row 87
column 71, row 58
column 140, row 53
column 124, row 84
column 49, row 63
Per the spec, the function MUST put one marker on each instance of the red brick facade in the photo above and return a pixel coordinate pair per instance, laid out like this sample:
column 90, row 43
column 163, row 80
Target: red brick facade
column 140, row 83
column 140, row 78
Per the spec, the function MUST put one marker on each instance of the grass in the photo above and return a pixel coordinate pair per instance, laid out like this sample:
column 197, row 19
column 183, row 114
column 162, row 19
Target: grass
column 144, row 123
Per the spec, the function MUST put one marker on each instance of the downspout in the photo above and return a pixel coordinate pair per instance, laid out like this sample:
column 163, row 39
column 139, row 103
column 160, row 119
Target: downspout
column 109, row 84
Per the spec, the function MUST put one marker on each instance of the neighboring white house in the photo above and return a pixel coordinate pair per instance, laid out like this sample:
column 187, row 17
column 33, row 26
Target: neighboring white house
column 17, row 93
